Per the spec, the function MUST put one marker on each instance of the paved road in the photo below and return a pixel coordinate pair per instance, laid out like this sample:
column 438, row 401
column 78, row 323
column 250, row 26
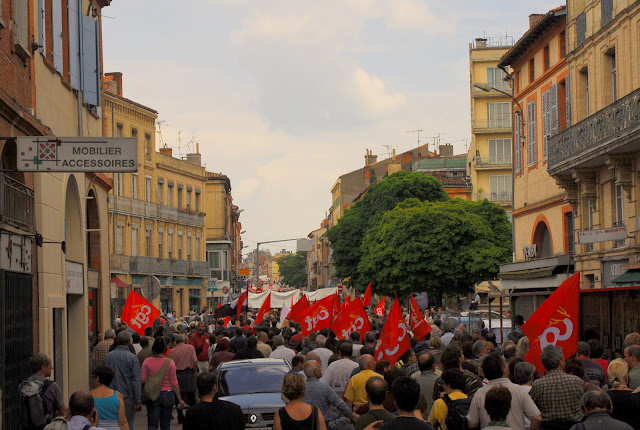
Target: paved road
column 141, row 420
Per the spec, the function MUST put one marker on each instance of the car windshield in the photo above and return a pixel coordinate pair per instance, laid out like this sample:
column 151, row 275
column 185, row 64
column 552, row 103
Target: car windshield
column 251, row 379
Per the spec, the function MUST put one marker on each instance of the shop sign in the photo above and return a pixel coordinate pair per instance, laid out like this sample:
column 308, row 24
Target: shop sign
column 74, row 277
column 611, row 270
column 602, row 235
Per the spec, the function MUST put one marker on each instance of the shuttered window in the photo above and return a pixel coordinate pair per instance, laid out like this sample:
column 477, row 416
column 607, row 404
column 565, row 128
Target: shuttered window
column 531, row 134
column 553, row 106
column 546, row 122
column 567, row 90
column 517, row 142
column 90, row 61
column 42, row 29
column 56, row 35
column 21, row 40
column 74, row 43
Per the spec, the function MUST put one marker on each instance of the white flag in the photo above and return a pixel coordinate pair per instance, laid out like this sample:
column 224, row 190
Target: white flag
column 285, row 311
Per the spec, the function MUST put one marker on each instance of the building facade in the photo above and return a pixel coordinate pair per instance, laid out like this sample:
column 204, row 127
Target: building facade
column 596, row 161
column 156, row 216
column 489, row 160
column 542, row 220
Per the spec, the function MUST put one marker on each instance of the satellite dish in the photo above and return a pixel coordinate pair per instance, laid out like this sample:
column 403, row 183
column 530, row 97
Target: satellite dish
column 150, row 288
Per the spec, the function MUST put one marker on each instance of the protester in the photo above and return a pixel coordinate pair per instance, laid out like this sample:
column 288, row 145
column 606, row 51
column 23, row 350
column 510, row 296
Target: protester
column 262, row 338
column 406, row 393
column 597, row 408
column 297, row 415
column 338, row 373
column 126, row 379
column 323, row 352
column 453, row 381
column 83, row 413
column 200, row 341
column 109, row 403
column 222, row 353
column 103, row 348
column 632, row 357
column 145, row 352
column 281, row 351
column 574, row 366
column 212, row 413
column 626, row 406
column 427, row 377
column 452, row 358
column 497, row 403
column 53, row 403
column 297, row 363
column 355, row 393
column 376, row 388
column 186, row 364
column 592, row 370
column 251, row 351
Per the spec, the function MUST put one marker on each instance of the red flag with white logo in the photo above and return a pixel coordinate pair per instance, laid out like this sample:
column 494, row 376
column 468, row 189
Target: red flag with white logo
column 296, row 311
column 394, row 338
column 347, row 302
column 380, row 308
column 139, row 313
column 317, row 316
column 419, row 325
column 555, row 322
column 352, row 318
column 264, row 309
column 366, row 299
column 336, row 304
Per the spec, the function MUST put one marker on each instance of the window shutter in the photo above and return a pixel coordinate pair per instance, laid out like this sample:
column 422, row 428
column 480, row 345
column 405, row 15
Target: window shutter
column 531, row 117
column 90, row 72
column 545, row 121
column 518, row 143
column 42, row 27
column 553, row 108
column 56, row 30
column 74, row 43
column 568, row 100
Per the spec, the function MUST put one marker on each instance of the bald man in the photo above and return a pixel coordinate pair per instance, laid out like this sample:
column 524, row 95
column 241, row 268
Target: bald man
column 355, row 394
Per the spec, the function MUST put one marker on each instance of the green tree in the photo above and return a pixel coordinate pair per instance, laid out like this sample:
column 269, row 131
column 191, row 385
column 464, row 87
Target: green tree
column 346, row 236
column 292, row 268
column 441, row 247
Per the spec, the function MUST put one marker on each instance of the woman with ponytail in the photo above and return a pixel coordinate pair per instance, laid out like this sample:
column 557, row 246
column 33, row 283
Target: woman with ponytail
column 625, row 404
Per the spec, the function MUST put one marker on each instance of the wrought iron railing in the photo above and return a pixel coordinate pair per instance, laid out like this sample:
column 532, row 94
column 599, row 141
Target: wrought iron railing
column 17, row 203
column 492, row 123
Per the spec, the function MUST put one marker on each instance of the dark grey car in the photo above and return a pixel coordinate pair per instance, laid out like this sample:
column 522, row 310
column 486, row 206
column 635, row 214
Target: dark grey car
column 254, row 385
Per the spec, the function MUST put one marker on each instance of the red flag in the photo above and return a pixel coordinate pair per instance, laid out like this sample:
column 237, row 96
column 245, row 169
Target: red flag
column 296, row 311
column 352, row 318
column 219, row 305
column 244, row 297
column 419, row 325
column 227, row 321
column 366, row 299
column 336, row 304
column 139, row 313
column 380, row 308
column 317, row 316
column 347, row 302
column 555, row 322
column 264, row 309
column 394, row 338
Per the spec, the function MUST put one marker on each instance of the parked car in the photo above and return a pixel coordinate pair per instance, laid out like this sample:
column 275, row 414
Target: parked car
column 470, row 318
column 254, row 385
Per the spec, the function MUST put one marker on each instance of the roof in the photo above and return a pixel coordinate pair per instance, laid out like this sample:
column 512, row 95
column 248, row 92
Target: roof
column 131, row 101
column 532, row 35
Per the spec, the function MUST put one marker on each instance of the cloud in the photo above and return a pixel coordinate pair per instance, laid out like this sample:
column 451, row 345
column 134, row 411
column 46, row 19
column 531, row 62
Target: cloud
column 374, row 93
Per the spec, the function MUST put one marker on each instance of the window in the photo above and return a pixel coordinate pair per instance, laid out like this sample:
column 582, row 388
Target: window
column 517, row 133
column 188, row 199
column 160, row 193
column 499, row 151
column 21, row 40
column 197, row 253
column 169, row 195
column 590, row 211
column 134, row 186
column 134, row 133
column 179, row 246
column 499, row 114
column 531, row 132
column 189, row 246
column 118, row 130
column 619, row 196
column 568, row 225
column 500, row 188
column 549, row 116
column 147, row 143
column 134, row 240
column 119, row 238
column 179, row 197
column 532, row 71
column 496, row 78
column 614, row 80
column 584, row 78
column 147, row 242
column 197, row 201
column 547, row 60
column 119, row 184
column 218, row 264
column 147, row 188
column 170, row 243
column 194, row 298
column 160, row 244
column 563, row 44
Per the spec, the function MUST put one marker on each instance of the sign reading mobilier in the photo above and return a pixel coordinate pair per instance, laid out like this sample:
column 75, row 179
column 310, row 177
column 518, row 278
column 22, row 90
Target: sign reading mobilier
column 602, row 235
column 77, row 154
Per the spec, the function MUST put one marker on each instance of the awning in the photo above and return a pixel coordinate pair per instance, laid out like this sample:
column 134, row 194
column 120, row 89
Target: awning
column 528, row 274
column 119, row 282
column 628, row 277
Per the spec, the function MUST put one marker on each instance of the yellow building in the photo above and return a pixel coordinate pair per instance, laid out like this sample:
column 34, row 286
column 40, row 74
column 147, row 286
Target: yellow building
column 489, row 159
column 596, row 160
column 156, row 216
column 542, row 221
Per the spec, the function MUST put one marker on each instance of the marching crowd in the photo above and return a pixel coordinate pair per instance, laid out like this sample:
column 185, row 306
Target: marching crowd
column 456, row 377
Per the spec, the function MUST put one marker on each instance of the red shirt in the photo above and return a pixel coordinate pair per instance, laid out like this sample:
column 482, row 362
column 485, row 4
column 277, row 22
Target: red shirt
column 197, row 341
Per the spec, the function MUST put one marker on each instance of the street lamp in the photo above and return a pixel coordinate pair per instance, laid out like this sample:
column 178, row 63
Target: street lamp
column 488, row 88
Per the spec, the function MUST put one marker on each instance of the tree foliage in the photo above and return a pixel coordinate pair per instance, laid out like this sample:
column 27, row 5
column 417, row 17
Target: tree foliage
column 441, row 247
column 346, row 236
column 292, row 269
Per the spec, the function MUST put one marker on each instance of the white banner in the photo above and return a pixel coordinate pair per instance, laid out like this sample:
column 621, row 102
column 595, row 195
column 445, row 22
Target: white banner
column 279, row 299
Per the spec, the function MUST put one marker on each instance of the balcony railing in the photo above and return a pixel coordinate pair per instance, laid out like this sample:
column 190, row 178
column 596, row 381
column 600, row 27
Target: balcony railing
column 16, row 203
column 494, row 159
column 153, row 210
column 606, row 130
column 158, row 266
column 500, row 85
column 199, row 268
column 495, row 197
column 491, row 124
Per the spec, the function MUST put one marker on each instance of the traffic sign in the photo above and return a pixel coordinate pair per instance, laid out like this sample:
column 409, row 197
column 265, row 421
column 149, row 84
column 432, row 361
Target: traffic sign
column 340, row 289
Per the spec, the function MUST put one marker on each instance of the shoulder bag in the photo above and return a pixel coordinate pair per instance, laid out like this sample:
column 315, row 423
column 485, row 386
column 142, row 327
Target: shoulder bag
column 154, row 382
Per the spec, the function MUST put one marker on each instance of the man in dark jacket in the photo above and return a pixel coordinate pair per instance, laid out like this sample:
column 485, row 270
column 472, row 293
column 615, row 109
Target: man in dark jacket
column 597, row 407
column 251, row 351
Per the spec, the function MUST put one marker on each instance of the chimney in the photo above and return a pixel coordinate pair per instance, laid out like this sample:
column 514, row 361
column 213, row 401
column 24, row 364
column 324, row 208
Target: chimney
column 481, row 42
column 115, row 87
column 166, row 151
column 369, row 158
column 194, row 159
column 534, row 18
column 446, row 150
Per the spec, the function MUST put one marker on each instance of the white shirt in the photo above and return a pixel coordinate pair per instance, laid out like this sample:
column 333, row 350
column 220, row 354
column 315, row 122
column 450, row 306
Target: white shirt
column 324, row 354
column 284, row 353
column 337, row 375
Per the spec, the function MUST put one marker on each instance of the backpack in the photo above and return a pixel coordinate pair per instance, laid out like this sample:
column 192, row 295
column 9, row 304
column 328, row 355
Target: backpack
column 35, row 415
column 456, row 418
column 59, row 423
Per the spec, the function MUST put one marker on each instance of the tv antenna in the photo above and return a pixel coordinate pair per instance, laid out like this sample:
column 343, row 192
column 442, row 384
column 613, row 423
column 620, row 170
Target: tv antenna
column 417, row 132
column 390, row 149
column 160, row 124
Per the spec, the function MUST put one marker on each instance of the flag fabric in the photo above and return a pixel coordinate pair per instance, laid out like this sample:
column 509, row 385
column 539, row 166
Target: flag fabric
column 380, row 308
column 347, row 302
column 394, row 338
column 264, row 309
column 419, row 325
column 336, row 304
column 366, row 299
column 139, row 313
column 317, row 316
column 244, row 298
column 219, row 305
column 227, row 321
column 555, row 322
column 285, row 311
column 352, row 318
column 296, row 311
column 226, row 310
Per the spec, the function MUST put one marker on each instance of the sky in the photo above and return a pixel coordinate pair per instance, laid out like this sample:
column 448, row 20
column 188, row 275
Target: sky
column 284, row 96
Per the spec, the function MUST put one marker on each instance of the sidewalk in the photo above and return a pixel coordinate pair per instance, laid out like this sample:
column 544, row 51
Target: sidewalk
column 140, row 422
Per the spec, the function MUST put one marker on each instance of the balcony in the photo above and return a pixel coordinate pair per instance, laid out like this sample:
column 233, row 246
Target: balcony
column 497, row 125
column 612, row 130
column 158, row 266
column 503, row 197
column 16, row 203
column 493, row 162
column 199, row 268
column 119, row 263
column 119, row 203
column 500, row 85
column 153, row 210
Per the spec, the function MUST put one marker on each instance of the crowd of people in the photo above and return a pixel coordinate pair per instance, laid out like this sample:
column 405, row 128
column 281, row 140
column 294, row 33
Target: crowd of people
column 457, row 377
